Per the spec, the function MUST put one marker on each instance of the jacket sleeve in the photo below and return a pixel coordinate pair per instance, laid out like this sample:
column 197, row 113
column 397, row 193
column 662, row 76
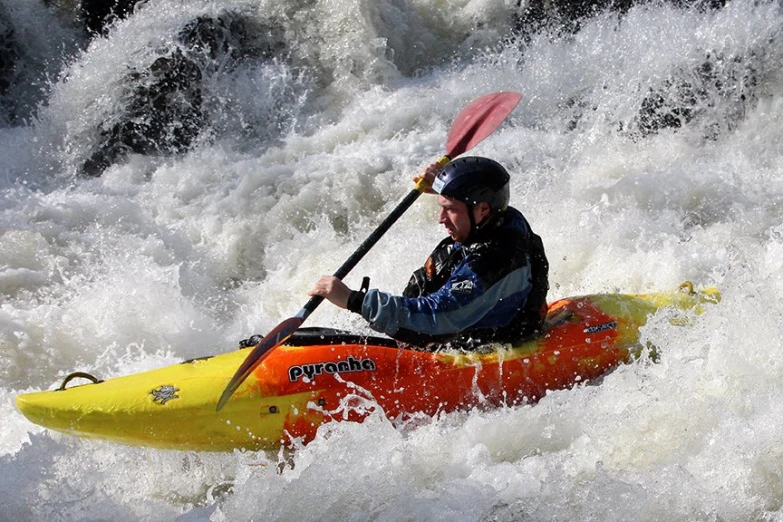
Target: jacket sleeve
column 460, row 303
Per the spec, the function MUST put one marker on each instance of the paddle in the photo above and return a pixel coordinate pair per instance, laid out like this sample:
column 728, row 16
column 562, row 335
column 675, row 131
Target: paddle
column 476, row 121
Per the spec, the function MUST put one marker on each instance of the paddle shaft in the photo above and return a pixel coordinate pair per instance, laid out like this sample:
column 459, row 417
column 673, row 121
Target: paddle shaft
column 368, row 243
column 365, row 247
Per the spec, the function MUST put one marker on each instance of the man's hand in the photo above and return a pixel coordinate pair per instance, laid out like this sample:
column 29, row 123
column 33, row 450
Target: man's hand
column 429, row 174
column 332, row 289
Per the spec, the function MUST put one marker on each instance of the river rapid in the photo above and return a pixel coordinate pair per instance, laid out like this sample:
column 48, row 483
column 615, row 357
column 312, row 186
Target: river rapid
column 646, row 151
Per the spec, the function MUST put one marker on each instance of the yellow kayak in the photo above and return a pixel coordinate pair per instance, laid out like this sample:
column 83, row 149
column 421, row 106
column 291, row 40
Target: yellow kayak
column 311, row 380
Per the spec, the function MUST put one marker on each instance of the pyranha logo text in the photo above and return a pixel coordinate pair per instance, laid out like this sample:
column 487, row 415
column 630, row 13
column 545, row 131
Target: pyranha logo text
column 347, row 366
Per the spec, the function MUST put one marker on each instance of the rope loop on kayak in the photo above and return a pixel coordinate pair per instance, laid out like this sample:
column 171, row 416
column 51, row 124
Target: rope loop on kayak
column 687, row 287
column 78, row 375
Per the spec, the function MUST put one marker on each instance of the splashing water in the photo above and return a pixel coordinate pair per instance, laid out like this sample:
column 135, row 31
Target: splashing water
column 645, row 152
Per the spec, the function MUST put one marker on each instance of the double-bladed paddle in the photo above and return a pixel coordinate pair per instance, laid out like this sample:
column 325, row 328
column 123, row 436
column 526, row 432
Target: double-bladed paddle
column 476, row 121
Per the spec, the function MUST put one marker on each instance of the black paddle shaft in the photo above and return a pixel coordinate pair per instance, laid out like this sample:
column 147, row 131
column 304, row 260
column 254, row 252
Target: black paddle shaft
column 365, row 247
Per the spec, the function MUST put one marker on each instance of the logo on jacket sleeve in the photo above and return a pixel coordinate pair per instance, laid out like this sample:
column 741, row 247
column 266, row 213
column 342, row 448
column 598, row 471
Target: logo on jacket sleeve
column 463, row 287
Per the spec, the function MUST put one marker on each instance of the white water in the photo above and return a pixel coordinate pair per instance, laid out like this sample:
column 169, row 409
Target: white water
column 162, row 259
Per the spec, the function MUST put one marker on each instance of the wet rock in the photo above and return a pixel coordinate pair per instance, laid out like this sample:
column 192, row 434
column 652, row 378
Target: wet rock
column 566, row 16
column 9, row 57
column 164, row 116
column 713, row 97
column 37, row 37
column 97, row 15
column 720, row 89
column 166, row 110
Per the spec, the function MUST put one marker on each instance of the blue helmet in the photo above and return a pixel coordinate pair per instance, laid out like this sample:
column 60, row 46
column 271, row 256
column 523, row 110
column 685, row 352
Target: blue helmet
column 473, row 180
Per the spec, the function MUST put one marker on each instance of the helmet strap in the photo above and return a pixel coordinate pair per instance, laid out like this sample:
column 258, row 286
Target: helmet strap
column 472, row 218
column 489, row 219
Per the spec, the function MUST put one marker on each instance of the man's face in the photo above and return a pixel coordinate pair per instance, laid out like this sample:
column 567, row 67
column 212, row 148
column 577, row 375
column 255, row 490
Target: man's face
column 454, row 216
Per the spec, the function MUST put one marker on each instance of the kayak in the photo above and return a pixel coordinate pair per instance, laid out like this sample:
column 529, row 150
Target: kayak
column 317, row 377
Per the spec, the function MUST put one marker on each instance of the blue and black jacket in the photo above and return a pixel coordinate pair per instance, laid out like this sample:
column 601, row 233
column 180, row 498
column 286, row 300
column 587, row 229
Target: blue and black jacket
column 492, row 288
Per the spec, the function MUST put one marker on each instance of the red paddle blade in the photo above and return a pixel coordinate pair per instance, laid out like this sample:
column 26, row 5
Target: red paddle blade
column 478, row 120
column 273, row 339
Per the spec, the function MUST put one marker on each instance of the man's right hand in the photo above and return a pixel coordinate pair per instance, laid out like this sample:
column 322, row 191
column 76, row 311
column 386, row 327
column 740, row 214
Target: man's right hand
column 429, row 174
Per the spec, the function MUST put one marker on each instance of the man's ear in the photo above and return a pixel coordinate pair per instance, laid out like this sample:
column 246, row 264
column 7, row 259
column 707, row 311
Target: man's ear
column 481, row 211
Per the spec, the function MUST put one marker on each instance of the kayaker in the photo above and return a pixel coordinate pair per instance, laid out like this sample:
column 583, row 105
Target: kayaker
column 486, row 282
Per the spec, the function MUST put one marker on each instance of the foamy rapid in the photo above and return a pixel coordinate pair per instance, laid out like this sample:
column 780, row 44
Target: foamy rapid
column 177, row 255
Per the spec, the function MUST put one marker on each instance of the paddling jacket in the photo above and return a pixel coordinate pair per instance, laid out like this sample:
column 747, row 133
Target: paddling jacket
column 490, row 289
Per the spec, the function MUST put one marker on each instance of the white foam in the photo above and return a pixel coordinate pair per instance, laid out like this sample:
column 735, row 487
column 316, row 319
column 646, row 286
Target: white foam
column 162, row 259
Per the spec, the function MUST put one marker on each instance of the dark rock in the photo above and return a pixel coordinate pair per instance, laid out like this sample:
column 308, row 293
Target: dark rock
column 563, row 16
column 720, row 89
column 31, row 57
column 98, row 15
column 166, row 112
column 567, row 16
column 9, row 58
column 164, row 116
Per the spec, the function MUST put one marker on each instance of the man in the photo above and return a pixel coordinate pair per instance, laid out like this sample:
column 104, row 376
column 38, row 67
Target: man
column 486, row 282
